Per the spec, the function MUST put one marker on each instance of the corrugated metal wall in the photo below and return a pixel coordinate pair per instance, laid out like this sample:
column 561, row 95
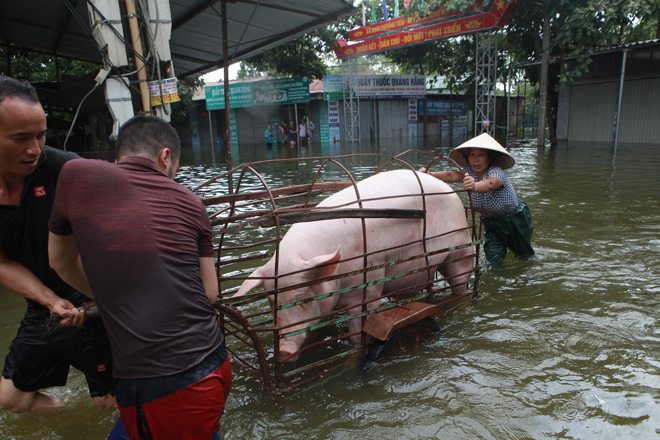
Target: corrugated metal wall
column 593, row 112
column 593, row 107
column 383, row 119
column 640, row 112
column 251, row 123
column 393, row 119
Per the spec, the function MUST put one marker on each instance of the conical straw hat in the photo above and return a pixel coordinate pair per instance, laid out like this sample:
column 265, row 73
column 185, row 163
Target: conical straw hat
column 486, row 142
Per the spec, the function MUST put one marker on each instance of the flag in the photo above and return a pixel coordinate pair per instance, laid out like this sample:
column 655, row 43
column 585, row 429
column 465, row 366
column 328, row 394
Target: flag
column 385, row 17
column 396, row 8
column 373, row 11
column 364, row 14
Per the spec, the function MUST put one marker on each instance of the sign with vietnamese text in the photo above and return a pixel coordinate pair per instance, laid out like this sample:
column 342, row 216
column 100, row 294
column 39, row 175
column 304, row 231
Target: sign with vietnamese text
column 375, row 86
column 390, row 86
column 333, row 121
column 169, row 90
column 365, row 32
column 265, row 92
column 334, row 86
column 412, row 118
column 324, row 132
column 437, row 107
column 497, row 17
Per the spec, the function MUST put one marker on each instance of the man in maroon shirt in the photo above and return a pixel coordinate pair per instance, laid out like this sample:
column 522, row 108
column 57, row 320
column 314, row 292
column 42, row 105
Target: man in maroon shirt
column 145, row 244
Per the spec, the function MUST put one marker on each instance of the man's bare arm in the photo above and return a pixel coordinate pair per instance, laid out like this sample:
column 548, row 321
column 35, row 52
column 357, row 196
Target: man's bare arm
column 209, row 278
column 19, row 279
column 64, row 258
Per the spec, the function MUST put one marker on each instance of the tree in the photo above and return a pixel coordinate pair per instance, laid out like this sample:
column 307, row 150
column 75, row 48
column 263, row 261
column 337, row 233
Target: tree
column 246, row 71
column 576, row 28
column 35, row 66
column 186, row 89
column 294, row 58
column 304, row 56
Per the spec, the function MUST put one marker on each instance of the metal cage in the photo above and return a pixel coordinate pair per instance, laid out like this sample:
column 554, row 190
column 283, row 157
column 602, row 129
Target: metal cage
column 249, row 322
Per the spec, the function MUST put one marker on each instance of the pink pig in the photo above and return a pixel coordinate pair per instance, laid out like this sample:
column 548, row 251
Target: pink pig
column 315, row 250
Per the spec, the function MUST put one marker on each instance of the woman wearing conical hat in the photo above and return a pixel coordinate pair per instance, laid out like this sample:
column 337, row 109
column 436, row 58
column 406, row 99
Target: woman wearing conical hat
column 507, row 221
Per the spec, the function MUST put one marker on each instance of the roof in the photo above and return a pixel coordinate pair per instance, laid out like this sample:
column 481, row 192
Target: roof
column 316, row 86
column 633, row 45
column 254, row 26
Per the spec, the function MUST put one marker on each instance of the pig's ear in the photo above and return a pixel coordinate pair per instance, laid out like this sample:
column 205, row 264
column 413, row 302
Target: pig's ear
column 250, row 283
column 325, row 265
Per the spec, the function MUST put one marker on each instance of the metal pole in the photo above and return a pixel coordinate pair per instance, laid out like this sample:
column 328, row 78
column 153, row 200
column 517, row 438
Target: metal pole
column 476, row 84
column 618, row 107
column 508, row 103
column 225, row 62
column 543, row 98
column 139, row 64
column 295, row 107
column 525, row 109
column 211, row 137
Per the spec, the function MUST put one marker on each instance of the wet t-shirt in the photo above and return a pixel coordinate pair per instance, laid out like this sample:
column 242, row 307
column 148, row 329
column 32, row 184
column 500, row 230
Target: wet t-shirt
column 498, row 202
column 24, row 228
column 140, row 236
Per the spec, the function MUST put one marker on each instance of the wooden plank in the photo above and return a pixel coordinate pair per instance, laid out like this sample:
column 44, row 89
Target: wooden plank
column 382, row 325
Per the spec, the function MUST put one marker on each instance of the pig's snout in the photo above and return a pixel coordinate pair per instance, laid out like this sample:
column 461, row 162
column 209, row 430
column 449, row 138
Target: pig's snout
column 289, row 348
column 286, row 356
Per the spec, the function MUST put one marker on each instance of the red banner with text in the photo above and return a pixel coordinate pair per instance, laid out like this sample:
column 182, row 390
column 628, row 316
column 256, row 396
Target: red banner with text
column 372, row 30
column 497, row 17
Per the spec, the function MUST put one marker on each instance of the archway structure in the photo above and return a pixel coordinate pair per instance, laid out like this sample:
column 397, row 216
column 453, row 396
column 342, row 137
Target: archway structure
column 439, row 24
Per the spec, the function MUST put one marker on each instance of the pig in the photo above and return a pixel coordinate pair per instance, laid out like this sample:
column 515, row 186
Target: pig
column 316, row 250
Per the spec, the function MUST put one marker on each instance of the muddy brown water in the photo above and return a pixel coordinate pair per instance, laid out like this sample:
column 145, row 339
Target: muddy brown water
column 565, row 345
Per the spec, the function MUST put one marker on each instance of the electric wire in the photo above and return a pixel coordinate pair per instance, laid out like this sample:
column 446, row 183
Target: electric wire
column 240, row 40
column 75, row 116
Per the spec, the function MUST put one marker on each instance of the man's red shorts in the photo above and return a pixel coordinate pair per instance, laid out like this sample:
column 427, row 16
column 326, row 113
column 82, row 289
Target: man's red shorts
column 191, row 413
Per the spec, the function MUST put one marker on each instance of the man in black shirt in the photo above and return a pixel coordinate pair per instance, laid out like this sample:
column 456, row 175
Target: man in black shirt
column 28, row 175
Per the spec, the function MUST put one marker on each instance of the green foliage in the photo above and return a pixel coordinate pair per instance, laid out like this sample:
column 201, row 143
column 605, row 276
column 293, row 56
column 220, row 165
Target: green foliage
column 422, row 7
column 245, row 71
column 576, row 27
column 186, row 89
column 295, row 58
column 39, row 67
column 451, row 59
column 305, row 56
column 598, row 23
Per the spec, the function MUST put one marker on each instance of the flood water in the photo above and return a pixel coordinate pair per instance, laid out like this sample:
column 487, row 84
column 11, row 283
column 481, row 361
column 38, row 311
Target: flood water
column 565, row 345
